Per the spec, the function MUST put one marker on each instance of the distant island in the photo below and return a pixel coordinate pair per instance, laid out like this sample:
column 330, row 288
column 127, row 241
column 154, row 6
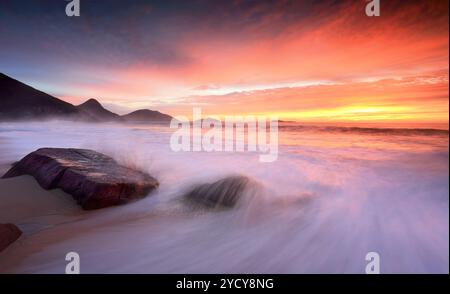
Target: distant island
column 19, row 101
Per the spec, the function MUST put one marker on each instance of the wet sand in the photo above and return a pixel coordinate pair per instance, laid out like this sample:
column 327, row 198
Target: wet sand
column 24, row 203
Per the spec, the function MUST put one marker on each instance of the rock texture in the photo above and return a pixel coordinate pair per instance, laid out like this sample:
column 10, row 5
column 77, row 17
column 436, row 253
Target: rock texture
column 8, row 234
column 224, row 193
column 93, row 179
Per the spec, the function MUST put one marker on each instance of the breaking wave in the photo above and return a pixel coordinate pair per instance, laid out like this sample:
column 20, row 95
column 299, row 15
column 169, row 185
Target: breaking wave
column 333, row 195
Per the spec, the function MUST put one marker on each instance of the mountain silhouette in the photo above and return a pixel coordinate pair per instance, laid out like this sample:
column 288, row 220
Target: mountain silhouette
column 19, row 101
column 146, row 115
column 93, row 108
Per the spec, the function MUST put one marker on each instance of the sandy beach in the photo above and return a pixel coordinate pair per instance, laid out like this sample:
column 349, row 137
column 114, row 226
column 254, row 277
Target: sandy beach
column 224, row 137
column 33, row 209
column 347, row 192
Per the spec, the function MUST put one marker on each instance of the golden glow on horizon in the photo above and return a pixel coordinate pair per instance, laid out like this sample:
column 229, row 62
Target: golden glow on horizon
column 381, row 114
column 349, row 114
column 347, row 68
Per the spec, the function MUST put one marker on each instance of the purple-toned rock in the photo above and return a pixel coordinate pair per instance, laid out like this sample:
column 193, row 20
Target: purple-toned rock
column 225, row 193
column 8, row 234
column 93, row 179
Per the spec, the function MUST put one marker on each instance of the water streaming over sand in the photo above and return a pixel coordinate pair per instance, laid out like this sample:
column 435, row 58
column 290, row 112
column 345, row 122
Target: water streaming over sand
column 333, row 195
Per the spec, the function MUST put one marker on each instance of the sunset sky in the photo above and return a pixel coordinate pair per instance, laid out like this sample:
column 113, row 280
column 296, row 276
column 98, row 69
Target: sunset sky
column 318, row 61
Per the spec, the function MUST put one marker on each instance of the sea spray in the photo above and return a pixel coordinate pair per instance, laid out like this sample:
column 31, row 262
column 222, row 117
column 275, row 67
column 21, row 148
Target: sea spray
column 329, row 199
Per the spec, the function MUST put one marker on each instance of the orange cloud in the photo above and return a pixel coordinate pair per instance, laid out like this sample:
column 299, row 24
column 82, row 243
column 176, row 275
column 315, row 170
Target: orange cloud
column 388, row 68
column 409, row 99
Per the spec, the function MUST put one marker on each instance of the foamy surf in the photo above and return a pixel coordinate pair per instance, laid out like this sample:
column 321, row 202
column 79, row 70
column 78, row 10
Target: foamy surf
column 327, row 201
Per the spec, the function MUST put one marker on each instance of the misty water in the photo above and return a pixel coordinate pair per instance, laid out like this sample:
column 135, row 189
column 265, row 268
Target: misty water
column 332, row 196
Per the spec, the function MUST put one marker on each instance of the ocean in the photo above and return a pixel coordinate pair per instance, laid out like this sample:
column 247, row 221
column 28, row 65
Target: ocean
column 333, row 195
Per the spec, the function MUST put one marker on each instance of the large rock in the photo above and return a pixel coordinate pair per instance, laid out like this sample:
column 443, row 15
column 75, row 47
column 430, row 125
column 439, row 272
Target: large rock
column 224, row 193
column 93, row 179
column 8, row 234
